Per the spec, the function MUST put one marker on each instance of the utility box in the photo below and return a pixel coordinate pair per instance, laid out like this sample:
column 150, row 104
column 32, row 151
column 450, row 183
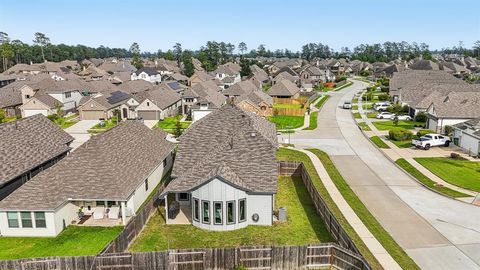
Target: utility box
column 282, row 214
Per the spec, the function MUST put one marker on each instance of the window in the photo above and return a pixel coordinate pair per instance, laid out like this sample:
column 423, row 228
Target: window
column 231, row 212
column 196, row 210
column 100, row 203
column 26, row 218
column 217, row 209
column 206, row 212
column 40, row 221
column 164, row 163
column 242, row 216
column 148, row 103
column 183, row 196
column 111, row 203
column 27, row 96
column 68, row 94
column 146, row 184
column 12, row 219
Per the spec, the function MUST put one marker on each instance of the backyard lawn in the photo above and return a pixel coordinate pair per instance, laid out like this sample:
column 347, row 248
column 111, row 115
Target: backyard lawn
column 313, row 121
column 287, row 106
column 73, row 241
column 462, row 173
column 427, row 181
column 388, row 125
column 304, row 226
column 169, row 123
column 287, row 121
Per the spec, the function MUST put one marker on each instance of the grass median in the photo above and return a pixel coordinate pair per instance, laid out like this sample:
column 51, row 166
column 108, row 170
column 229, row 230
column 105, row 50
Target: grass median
column 313, row 121
column 379, row 142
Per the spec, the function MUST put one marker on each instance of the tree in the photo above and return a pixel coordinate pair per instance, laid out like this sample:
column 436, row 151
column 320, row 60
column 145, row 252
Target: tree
column 42, row 40
column 177, row 52
column 476, row 48
column 261, row 51
column 242, row 47
column 245, row 65
column 2, row 115
column 137, row 62
column 178, row 128
column 188, row 68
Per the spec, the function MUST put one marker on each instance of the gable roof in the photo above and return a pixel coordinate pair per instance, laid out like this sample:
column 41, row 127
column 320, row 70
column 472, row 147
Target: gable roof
column 148, row 70
column 240, row 88
column 208, row 91
column 109, row 166
column 283, row 88
column 229, row 143
column 461, row 105
column 256, row 97
column 28, row 143
column 162, row 97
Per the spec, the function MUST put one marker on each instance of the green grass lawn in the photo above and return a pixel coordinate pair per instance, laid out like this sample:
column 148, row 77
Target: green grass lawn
column 367, row 218
column 462, row 173
column 427, row 181
column 287, row 106
column 355, row 100
column 378, row 142
column 402, row 144
column 367, row 106
column 107, row 124
column 169, row 123
column 364, row 126
column 357, row 115
column 343, row 86
column 355, row 107
column 388, row 125
column 289, row 154
column 372, row 114
column 73, row 241
column 287, row 121
column 322, row 101
column 313, row 121
column 304, row 226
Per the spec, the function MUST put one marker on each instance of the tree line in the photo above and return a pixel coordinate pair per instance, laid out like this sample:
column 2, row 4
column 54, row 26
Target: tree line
column 213, row 53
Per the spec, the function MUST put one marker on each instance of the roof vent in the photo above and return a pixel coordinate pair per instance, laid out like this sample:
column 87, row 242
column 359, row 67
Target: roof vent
column 253, row 134
column 230, row 143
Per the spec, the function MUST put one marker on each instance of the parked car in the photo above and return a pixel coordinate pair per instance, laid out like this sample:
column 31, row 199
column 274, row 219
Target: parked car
column 381, row 106
column 385, row 115
column 429, row 140
column 402, row 117
column 347, row 105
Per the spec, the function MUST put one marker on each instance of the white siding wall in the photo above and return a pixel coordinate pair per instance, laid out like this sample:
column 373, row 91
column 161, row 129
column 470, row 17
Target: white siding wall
column 66, row 214
column 469, row 143
column 28, row 232
column 68, row 103
column 199, row 114
column 261, row 205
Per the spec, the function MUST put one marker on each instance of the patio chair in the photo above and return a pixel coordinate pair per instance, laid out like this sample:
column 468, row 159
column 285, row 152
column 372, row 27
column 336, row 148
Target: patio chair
column 114, row 212
column 99, row 212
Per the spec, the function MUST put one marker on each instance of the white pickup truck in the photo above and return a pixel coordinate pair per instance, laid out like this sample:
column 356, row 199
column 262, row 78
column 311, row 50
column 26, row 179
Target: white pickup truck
column 429, row 140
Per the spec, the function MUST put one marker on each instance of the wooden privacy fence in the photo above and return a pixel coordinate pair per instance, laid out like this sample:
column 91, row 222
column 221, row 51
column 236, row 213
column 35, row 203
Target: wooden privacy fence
column 261, row 257
column 292, row 168
column 289, row 111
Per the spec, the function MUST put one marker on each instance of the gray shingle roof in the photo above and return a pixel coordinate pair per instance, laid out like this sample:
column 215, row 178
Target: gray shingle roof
column 283, row 88
column 162, row 97
column 108, row 166
column 221, row 144
column 29, row 142
column 461, row 105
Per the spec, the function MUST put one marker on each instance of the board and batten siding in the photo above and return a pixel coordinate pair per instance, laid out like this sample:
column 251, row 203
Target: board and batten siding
column 218, row 190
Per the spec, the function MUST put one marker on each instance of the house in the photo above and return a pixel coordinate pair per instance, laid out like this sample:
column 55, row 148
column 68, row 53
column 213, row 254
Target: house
column 422, row 64
column 227, row 74
column 284, row 89
column 284, row 75
column 46, row 95
column 199, row 77
column 114, row 65
column 467, row 136
column 208, row 92
column 259, row 73
column 6, row 79
column 117, row 103
column 225, row 172
column 176, row 77
column 29, row 146
column 158, row 104
column 104, row 181
column 137, row 86
column 257, row 102
column 451, row 109
column 310, row 76
column 240, row 88
column 147, row 74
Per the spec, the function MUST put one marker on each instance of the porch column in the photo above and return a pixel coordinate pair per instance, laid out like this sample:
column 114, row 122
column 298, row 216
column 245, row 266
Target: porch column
column 166, row 209
column 124, row 213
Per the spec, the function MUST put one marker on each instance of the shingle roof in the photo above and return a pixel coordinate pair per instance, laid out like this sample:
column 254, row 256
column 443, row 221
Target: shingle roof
column 136, row 86
column 240, row 88
column 283, row 88
column 256, row 97
column 150, row 71
column 463, row 105
column 229, row 143
column 108, row 166
column 209, row 91
column 162, row 97
column 29, row 142
column 424, row 65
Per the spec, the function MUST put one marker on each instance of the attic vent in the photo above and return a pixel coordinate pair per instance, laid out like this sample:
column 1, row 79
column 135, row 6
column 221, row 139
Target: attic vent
column 253, row 134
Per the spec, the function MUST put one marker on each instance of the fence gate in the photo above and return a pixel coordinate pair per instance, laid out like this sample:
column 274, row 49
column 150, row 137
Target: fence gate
column 186, row 260
column 117, row 261
column 318, row 256
column 47, row 264
column 256, row 258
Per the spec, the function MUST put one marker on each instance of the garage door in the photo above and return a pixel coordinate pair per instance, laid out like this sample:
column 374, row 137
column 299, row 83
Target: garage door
column 148, row 115
column 92, row 115
column 33, row 112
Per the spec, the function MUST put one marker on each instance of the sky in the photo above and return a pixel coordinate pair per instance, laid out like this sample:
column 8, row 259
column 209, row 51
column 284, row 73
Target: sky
column 277, row 24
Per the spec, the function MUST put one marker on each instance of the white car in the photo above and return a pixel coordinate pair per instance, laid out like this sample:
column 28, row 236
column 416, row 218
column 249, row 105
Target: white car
column 381, row 106
column 402, row 117
column 385, row 115
column 347, row 105
column 429, row 140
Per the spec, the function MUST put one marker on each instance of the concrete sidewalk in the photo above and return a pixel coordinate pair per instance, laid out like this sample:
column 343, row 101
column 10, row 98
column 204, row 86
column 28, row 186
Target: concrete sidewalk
column 367, row 237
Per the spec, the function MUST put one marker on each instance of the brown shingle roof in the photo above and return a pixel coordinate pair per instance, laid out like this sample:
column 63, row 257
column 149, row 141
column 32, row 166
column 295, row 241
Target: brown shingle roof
column 29, row 142
column 283, row 88
column 108, row 166
column 232, row 144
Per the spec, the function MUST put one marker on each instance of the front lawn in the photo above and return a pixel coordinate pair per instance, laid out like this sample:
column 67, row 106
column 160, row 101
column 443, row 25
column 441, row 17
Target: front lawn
column 313, row 121
column 364, row 126
column 304, row 226
column 388, row 125
column 379, row 142
column 462, row 173
column 372, row 114
column 402, row 144
column 104, row 126
column 73, row 241
column 357, row 115
column 287, row 121
column 427, row 181
column 170, row 123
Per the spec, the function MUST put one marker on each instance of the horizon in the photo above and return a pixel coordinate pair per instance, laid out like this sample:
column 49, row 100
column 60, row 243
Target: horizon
column 56, row 20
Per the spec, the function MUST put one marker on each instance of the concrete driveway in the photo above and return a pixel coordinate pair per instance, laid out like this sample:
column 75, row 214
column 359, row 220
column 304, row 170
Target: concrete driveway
column 437, row 232
column 79, row 132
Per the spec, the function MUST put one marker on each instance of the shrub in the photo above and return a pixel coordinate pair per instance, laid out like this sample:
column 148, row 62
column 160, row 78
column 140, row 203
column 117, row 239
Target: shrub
column 400, row 134
column 423, row 132
column 52, row 117
column 329, row 85
column 448, row 130
column 383, row 97
column 421, row 117
column 367, row 96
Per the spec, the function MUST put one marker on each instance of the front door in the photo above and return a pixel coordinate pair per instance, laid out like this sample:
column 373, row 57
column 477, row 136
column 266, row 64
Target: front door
column 125, row 113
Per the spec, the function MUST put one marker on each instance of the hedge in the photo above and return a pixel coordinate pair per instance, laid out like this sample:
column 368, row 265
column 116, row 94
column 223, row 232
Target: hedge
column 400, row 134
column 423, row 132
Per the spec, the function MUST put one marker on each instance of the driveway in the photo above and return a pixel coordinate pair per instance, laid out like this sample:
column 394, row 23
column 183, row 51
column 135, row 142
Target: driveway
column 150, row 123
column 437, row 232
column 79, row 132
